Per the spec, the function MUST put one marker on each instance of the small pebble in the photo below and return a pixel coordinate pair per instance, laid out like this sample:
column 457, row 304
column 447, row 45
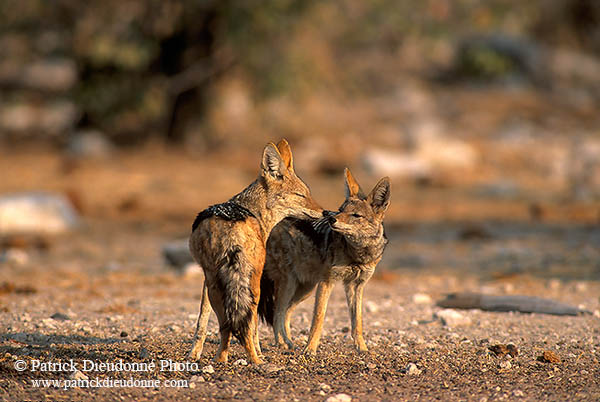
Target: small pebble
column 240, row 362
column 271, row 368
column 503, row 350
column 518, row 393
column 325, row 387
column 60, row 316
column 197, row 378
column 48, row 322
column 339, row 398
column 421, row 298
column 505, row 364
column 412, row 369
column 549, row 357
column 144, row 354
column 208, row 369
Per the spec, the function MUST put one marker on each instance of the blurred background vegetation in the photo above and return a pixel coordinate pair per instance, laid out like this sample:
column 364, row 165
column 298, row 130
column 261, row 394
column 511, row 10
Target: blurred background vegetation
column 141, row 68
column 213, row 75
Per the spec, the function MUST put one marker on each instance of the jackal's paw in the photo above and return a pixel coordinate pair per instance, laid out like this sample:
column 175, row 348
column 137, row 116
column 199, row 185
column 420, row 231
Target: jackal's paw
column 309, row 351
column 221, row 358
column 194, row 354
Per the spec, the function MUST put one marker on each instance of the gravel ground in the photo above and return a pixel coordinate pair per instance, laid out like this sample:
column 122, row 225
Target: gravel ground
column 114, row 300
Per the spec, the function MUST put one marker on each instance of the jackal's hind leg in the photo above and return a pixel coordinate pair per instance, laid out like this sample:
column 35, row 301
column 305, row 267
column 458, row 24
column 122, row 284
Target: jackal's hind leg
column 257, row 338
column 285, row 294
column 201, row 326
column 248, row 337
column 223, row 353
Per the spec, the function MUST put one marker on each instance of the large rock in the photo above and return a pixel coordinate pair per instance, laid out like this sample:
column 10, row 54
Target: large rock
column 36, row 213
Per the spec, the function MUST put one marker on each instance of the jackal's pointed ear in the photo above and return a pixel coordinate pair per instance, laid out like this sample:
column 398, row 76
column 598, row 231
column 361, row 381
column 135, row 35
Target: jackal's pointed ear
column 351, row 186
column 379, row 198
column 272, row 165
column 286, row 154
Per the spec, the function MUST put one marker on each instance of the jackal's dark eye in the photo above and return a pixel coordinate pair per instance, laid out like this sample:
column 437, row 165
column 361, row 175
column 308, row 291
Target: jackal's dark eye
column 356, row 215
column 300, row 195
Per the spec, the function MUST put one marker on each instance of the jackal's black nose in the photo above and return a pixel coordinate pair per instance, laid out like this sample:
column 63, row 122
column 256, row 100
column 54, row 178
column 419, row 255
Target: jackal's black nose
column 330, row 215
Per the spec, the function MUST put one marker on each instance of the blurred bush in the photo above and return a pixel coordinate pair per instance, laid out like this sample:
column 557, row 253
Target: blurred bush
column 134, row 69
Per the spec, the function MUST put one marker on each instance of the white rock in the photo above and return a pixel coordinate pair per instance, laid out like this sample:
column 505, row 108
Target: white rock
column 240, row 362
column 36, row 213
column 192, row 269
column 443, row 152
column 421, row 298
column 78, row 375
column 14, row 256
column 208, row 369
column 371, row 306
column 397, row 164
column 518, row 393
column 505, row 364
column 54, row 117
column 325, row 387
column 339, row 398
column 89, row 144
column 177, row 254
column 52, row 75
column 452, row 318
column 412, row 369
column 49, row 323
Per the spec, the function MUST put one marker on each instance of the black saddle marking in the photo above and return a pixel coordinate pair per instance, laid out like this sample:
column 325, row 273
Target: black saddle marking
column 305, row 226
column 228, row 210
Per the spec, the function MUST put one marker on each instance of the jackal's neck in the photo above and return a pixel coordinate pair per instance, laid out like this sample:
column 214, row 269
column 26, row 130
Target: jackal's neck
column 351, row 250
column 254, row 198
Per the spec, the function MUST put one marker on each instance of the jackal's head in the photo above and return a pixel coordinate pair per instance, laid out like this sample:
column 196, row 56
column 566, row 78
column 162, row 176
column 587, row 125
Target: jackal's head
column 286, row 194
column 360, row 217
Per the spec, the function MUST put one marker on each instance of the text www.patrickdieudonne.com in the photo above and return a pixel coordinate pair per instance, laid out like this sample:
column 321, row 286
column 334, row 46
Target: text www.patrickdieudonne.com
column 108, row 383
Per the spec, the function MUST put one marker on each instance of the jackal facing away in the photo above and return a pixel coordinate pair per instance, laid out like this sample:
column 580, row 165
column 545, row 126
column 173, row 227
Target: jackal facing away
column 346, row 246
column 229, row 242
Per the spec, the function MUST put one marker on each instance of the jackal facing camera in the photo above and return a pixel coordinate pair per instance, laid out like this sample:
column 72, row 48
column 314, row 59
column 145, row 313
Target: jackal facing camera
column 301, row 254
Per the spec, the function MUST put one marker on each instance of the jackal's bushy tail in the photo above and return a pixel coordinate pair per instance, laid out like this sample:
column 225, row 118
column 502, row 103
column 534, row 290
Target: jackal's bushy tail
column 234, row 281
column 266, row 304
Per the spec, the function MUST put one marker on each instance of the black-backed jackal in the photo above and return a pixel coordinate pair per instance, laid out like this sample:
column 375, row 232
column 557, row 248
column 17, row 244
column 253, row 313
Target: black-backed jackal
column 301, row 254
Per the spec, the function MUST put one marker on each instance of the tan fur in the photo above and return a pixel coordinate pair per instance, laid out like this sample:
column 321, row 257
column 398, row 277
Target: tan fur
column 232, row 252
column 349, row 252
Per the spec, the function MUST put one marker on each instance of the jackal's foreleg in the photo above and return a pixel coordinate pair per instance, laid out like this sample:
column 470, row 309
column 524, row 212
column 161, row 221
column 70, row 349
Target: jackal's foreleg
column 354, row 294
column 321, row 299
column 201, row 326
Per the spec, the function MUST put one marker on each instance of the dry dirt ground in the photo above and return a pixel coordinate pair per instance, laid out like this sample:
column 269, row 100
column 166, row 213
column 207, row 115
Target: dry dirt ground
column 118, row 301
